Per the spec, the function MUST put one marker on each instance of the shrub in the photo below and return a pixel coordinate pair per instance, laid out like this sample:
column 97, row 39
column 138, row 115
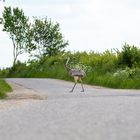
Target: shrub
column 129, row 56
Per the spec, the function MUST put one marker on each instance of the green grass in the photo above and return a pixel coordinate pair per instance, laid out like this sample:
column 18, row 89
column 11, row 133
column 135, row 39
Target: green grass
column 95, row 77
column 108, row 80
column 102, row 71
column 4, row 88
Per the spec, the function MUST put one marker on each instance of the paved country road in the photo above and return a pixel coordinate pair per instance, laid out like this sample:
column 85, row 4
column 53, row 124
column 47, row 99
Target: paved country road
column 97, row 114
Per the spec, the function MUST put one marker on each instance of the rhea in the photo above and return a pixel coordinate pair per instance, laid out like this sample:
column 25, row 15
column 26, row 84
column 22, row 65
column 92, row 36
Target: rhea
column 76, row 73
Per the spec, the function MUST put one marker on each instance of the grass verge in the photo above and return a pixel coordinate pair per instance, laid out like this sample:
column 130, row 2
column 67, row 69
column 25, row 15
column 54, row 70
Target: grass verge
column 4, row 88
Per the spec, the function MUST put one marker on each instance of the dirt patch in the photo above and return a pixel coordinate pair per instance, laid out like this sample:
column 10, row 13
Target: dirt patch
column 19, row 96
column 20, row 92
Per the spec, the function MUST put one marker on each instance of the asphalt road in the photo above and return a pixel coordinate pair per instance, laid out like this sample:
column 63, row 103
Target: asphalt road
column 97, row 114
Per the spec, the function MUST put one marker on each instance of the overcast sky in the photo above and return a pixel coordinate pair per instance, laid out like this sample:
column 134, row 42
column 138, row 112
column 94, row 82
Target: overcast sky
column 95, row 25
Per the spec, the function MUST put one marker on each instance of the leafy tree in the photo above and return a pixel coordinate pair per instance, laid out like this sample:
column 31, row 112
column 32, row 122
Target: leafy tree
column 47, row 39
column 15, row 23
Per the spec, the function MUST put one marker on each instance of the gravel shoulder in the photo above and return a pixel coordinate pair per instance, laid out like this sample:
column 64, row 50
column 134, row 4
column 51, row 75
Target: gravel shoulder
column 19, row 96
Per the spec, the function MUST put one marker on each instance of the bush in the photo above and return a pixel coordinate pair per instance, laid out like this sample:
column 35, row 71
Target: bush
column 129, row 56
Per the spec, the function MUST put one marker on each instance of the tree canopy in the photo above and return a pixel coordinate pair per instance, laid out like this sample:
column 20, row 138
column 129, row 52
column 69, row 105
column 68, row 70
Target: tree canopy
column 15, row 23
column 40, row 38
column 46, row 38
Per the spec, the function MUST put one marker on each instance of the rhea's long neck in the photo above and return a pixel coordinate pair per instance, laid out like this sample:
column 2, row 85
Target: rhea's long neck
column 66, row 64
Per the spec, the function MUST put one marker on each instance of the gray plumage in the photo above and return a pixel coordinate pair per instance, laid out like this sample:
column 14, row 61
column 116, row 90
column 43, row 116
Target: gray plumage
column 76, row 73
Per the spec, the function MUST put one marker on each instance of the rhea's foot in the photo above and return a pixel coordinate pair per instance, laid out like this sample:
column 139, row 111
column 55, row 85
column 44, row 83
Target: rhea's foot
column 71, row 91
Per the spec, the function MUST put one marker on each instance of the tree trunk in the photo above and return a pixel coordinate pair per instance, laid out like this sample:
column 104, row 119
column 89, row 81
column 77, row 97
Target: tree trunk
column 14, row 52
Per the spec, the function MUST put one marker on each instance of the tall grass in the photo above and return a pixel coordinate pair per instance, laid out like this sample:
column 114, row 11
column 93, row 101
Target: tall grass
column 103, row 69
column 4, row 88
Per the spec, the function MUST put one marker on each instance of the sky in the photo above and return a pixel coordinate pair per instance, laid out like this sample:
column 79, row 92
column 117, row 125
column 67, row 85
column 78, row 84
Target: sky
column 88, row 25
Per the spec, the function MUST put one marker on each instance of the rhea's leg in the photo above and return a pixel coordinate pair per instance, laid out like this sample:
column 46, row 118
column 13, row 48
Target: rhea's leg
column 75, row 82
column 81, row 84
column 73, row 87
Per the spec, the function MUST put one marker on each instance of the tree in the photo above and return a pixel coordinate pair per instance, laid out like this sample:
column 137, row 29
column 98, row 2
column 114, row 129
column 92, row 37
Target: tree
column 47, row 39
column 15, row 23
